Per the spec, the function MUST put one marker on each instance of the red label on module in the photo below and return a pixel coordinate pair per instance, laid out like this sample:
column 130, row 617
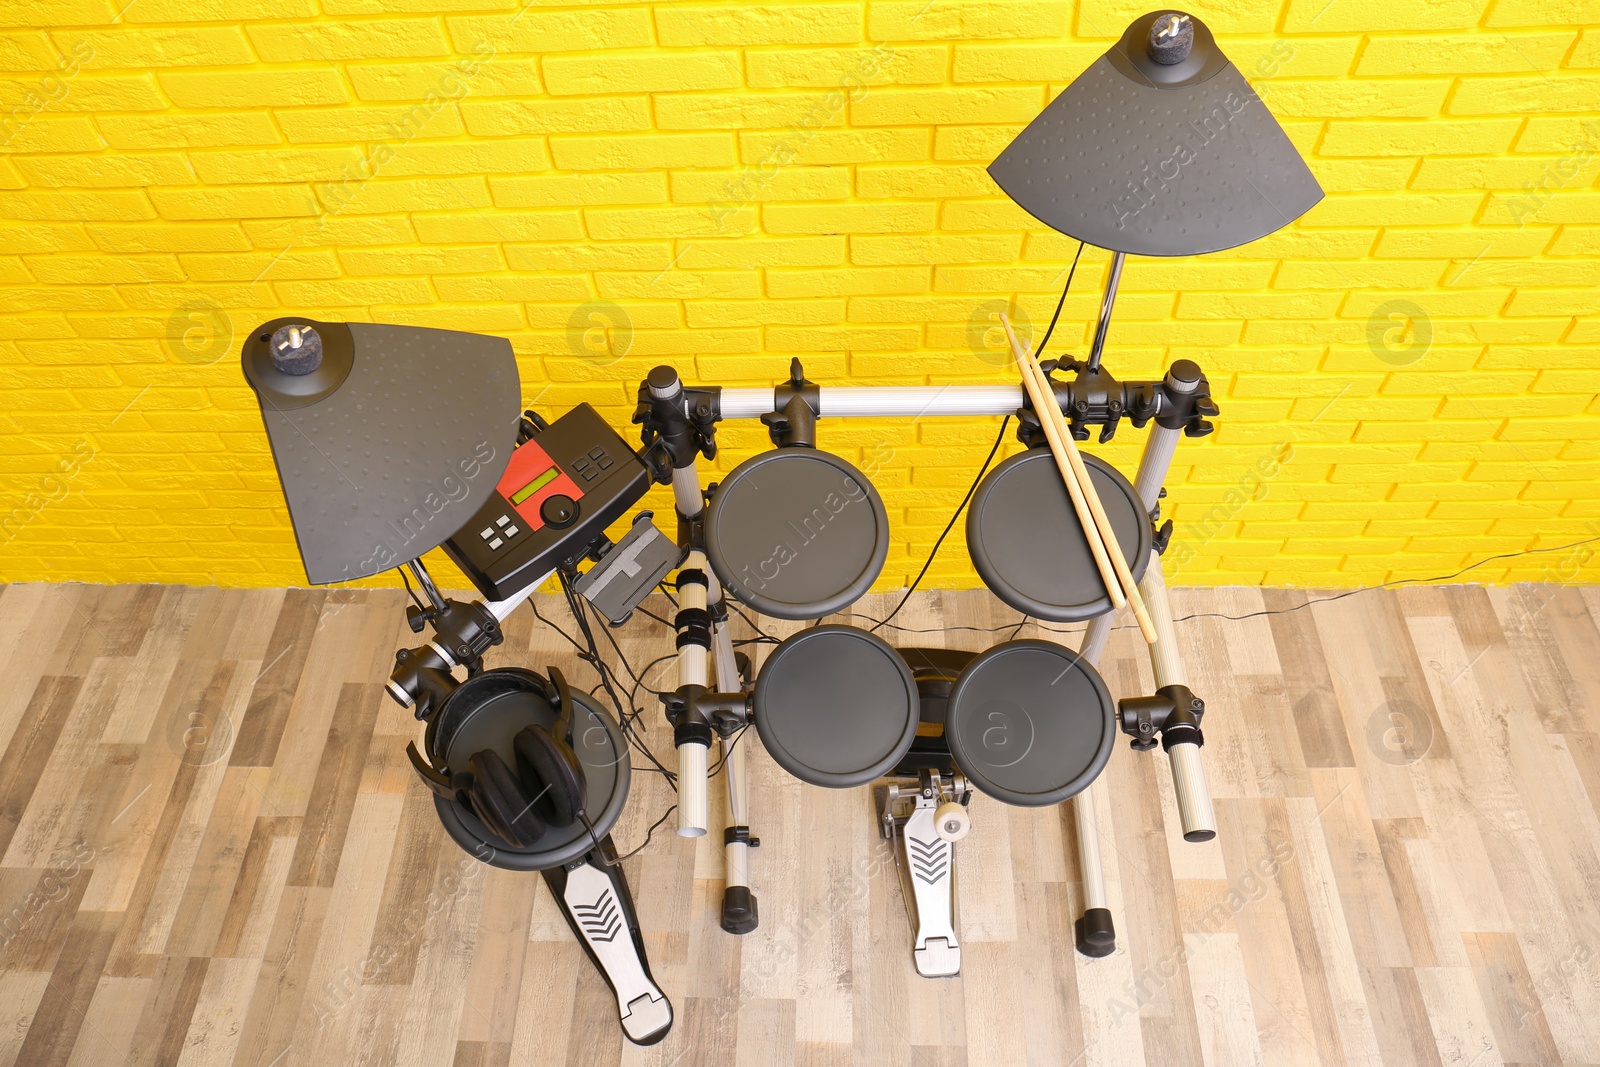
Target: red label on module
column 528, row 483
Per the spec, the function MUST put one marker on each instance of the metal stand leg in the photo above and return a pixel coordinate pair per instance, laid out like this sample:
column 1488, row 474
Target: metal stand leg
column 594, row 897
column 740, row 911
column 1096, row 932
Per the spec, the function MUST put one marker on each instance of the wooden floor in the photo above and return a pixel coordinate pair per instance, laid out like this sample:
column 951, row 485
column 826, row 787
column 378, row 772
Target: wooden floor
column 213, row 851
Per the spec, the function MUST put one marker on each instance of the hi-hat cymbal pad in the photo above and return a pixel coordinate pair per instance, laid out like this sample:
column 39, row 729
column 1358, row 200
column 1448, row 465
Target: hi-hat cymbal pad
column 1160, row 148
column 387, row 438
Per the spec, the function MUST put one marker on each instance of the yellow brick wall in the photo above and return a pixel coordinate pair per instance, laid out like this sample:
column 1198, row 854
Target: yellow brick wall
column 1408, row 375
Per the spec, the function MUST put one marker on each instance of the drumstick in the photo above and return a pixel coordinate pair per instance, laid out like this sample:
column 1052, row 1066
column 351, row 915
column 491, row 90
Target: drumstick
column 1114, row 547
column 1075, row 490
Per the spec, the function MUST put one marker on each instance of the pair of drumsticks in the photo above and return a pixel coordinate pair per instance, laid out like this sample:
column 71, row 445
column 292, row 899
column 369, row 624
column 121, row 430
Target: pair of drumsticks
column 1103, row 543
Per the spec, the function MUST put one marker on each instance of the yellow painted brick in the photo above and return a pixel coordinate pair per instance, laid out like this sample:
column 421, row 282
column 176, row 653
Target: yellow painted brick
column 934, row 249
column 620, row 224
column 1456, row 54
column 241, row 202
column 618, row 255
column 373, row 123
column 337, row 39
column 1334, row 274
column 579, row 189
column 1019, row 62
column 643, row 314
column 76, row 205
column 850, row 339
column 1543, row 93
column 1587, row 53
column 253, row 88
column 972, row 143
column 824, row 147
column 101, row 269
column 847, row 218
column 750, row 110
column 1437, row 304
column 1368, row 16
column 1552, row 302
column 364, row 291
column 217, row 10
column 931, row 309
column 911, row 20
column 932, row 182
column 1557, row 135
column 1270, row 305
column 489, row 319
column 530, row 30
column 641, row 152
column 288, row 265
column 1513, row 407
column 143, row 132
column 832, row 68
column 107, row 171
column 992, row 214
column 1565, row 206
column 72, row 133
column 756, row 251
column 327, row 231
column 28, row 50
column 731, row 284
column 1577, row 241
column 1402, row 138
column 925, row 107
column 158, row 47
column 647, row 343
column 1544, row 13
column 856, row 281
column 500, row 76
column 458, row 260
column 741, row 187
column 1395, row 209
column 1463, row 243
column 405, row 194
column 92, row 93
column 515, row 287
column 642, row 72
column 1293, row 98
column 277, row 165
column 496, row 226
column 504, row 155
column 684, row 24
column 504, row 118
column 764, row 312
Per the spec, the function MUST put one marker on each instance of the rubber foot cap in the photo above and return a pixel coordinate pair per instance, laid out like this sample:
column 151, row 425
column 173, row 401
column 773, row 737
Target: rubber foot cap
column 1097, row 936
column 739, row 912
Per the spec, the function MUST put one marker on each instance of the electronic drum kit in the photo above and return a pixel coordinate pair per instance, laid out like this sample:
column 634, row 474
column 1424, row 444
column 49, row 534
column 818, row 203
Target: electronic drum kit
column 391, row 441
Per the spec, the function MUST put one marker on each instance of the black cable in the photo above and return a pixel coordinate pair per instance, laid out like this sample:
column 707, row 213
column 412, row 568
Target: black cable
column 407, row 581
column 973, row 488
column 1038, row 353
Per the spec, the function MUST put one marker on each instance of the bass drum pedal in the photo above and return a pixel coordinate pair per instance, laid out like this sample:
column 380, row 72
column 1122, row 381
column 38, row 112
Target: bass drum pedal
column 924, row 817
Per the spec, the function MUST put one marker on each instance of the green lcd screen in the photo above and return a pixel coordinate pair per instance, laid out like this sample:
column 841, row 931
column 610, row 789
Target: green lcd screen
column 537, row 484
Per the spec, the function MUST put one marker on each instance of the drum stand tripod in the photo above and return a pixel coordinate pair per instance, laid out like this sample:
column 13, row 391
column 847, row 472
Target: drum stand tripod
column 679, row 424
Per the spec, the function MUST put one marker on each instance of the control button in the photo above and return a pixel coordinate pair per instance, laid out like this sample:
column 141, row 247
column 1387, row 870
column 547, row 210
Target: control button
column 511, row 531
column 502, row 520
column 605, row 463
column 596, row 452
column 590, row 475
column 488, row 532
column 580, row 464
column 496, row 543
column 559, row 511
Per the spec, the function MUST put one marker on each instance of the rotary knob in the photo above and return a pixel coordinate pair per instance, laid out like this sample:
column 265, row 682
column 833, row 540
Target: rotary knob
column 559, row 511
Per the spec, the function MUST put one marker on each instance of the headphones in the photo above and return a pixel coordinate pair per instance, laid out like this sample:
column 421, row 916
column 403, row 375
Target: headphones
column 546, row 787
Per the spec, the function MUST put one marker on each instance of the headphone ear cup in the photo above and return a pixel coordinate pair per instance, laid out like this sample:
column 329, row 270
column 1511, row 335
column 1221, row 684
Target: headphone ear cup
column 506, row 809
column 551, row 772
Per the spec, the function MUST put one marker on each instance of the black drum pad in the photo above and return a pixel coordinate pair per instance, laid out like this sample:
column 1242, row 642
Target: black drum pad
column 1030, row 723
column 1026, row 542
column 391, row 445
column 796, row 533
column 836, row 706
column 487, row 712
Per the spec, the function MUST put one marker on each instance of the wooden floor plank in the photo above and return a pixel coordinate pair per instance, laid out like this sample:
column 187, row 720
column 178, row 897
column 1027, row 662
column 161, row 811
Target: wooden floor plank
column 215, row 853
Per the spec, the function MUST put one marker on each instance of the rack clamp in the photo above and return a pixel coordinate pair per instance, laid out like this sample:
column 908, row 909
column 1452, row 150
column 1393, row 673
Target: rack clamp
column 1174, row 712
column 796, row 404
column 676, row 421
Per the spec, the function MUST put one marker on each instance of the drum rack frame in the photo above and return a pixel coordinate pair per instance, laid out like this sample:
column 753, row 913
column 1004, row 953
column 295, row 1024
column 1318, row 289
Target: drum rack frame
column 679, row 428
